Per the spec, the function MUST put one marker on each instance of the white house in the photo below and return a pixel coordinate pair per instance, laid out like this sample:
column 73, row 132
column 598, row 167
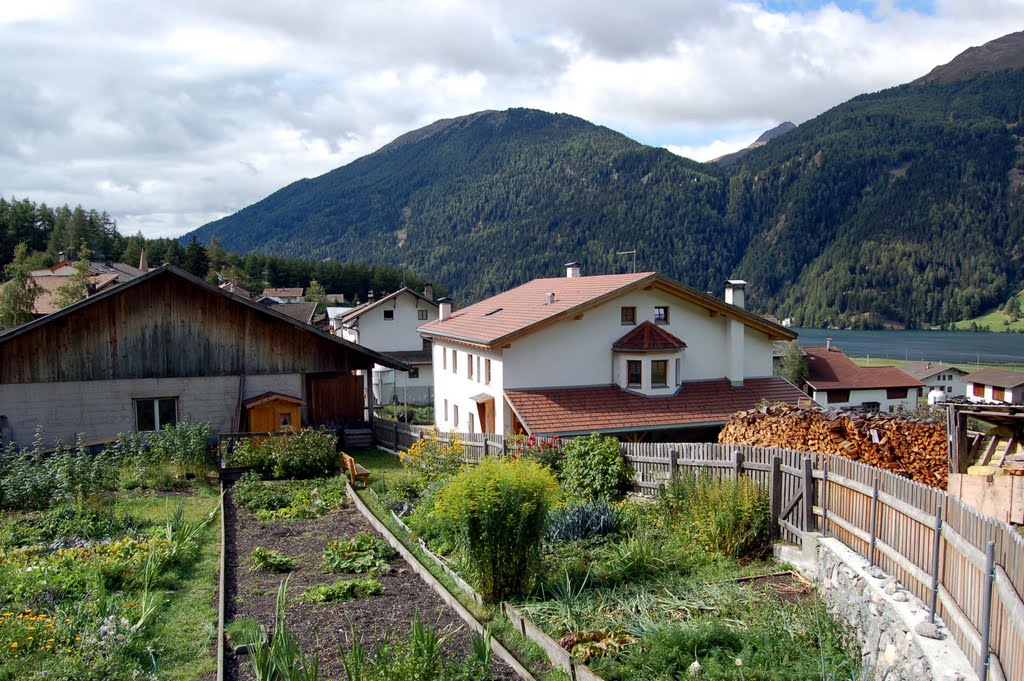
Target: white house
column 836, row 381
column 937, row 376
column 625, row 353
column 995, row 385
column 388, row 326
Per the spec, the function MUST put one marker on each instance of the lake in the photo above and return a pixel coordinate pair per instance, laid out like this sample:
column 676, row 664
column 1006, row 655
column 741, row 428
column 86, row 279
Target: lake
column 952, row 347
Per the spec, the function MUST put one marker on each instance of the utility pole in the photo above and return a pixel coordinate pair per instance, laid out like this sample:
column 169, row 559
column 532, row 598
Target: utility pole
column 633, row 253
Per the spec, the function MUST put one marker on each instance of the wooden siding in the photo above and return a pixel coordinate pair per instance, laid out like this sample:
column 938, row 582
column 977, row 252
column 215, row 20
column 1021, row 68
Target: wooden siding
column 168, row 326
column 335, row 398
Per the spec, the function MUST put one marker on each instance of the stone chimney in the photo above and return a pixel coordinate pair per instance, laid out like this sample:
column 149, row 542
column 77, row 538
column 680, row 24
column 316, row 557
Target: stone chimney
column 428, row 291
column 572, row 270
column 444, row 309
column 735, row 290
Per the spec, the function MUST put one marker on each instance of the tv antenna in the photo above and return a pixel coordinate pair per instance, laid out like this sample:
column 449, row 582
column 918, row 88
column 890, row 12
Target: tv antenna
column 633, row 253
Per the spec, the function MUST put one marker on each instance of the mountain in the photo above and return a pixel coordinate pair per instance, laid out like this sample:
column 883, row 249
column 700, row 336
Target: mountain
column 1000, row 54
column 765, row 138
column 902, row 206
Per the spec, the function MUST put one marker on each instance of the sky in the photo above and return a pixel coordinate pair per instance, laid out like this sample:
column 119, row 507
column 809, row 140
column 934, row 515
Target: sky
column 171, row 114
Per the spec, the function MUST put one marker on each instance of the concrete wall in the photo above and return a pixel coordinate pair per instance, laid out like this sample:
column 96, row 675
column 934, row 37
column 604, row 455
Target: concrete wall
column 859, row 397
column 102, row 409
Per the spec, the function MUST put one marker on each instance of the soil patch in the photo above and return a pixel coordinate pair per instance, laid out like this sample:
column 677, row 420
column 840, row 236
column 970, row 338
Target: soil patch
column 324, row 627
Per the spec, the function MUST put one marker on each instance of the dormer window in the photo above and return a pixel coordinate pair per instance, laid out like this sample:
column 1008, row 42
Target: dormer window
column 628, row 316
column 661, row 314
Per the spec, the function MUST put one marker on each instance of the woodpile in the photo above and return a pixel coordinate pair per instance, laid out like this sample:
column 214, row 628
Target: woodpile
column 913, row 448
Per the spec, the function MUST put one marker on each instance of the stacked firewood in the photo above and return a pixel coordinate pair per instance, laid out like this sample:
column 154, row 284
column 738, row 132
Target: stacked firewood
column 913, row 448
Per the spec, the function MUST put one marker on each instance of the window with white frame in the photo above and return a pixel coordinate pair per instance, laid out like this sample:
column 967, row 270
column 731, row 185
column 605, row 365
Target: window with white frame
column 155, row 413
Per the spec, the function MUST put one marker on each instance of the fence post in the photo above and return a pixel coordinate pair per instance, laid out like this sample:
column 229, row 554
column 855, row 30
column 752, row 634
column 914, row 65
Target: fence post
column 986, row 611
column 737, row 463
column 395, row 443
column 673, row 465
column 808, row 495
column 936, row 544
column 874, row 521
column 775, row 500
column 824, row 496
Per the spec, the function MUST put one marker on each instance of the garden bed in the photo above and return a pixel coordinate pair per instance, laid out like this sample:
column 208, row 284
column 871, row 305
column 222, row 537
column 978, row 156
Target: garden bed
column 323, row 628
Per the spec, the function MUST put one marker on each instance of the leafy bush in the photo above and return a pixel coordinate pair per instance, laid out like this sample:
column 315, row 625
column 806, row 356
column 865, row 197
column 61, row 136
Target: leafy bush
column 582, row 521
column 342, row 590
column 547, row 451
column 730, row 517
column 634, row 559
column 593, row 467
column 497, row 511
column 185, row 446
column 401, row 490
column 363, row 553
column 436, row 454
column 311, row 452
column 252, row 494
column 271, row 559
column 247, row 454
column 291, row 499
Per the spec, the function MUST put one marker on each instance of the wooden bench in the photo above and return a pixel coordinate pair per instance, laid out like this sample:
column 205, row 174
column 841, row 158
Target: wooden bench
column 357, row 475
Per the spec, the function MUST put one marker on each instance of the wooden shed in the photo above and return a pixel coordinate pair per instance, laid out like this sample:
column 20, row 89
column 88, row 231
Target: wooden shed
column 165, row 346
column 272, row 411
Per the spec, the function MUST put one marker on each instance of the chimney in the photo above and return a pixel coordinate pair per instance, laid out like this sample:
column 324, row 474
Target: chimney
column 369, row 296
column 551, row 298
column 734, row 292
column 445, row 309
column 572, row 270
column 428, row 291
column 61, row 257
column 828, row 345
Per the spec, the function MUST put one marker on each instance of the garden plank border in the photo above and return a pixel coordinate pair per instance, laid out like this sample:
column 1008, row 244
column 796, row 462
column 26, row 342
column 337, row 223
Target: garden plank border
column 559, row 656
column 221, row 599
column 425, row 574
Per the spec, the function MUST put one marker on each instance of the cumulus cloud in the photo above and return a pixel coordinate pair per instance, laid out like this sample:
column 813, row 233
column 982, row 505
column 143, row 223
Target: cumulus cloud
column 172, row 114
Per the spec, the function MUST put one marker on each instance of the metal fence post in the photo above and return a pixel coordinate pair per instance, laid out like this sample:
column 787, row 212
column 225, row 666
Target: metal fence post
column 874, row 521
column 986, row 611
column 775, row 500
column 824, row 496
column 936, row 544
column 808, row 480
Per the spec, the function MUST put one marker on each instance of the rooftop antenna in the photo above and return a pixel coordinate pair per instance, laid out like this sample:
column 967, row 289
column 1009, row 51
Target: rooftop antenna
column 633, row 253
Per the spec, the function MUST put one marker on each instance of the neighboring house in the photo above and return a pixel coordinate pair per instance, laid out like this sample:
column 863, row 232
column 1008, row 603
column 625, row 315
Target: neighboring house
column 995, row 385
column 303, row 312
column 284, row 295
column 638, row 354
column 388, row 325
column 102, row 276
column 779, row 350
column 937, row 376
column 165, row 346
column 835, row 381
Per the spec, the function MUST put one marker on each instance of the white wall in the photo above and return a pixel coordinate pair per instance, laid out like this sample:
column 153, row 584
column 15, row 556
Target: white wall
column 1010, row 397
column 457, row 387
column 859, row 397
column 102, row 409
column 399, row 333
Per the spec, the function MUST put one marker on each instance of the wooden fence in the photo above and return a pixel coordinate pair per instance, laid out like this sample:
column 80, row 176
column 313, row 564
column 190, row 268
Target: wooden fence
column 968, row 567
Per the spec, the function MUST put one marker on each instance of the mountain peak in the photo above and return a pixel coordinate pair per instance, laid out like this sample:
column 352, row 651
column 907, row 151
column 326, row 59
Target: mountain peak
column 766, row 137
column 1001, row 54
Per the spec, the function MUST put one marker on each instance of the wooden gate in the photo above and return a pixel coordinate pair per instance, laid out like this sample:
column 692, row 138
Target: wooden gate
column 792, row 496
column 334, row 399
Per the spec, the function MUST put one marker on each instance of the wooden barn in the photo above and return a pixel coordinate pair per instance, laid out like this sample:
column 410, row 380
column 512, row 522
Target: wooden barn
column 166, row 346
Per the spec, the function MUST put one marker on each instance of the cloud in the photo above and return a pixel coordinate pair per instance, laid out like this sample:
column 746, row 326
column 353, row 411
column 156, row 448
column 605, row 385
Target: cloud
column 168, row 115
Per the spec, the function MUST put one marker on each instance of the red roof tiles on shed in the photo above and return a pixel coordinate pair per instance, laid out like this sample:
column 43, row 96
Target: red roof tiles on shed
column 609, row 408
column 830, row 369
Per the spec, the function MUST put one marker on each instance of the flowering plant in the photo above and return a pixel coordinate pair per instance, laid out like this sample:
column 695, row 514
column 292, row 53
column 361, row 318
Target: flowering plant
column 547, row 451
column 438, row 455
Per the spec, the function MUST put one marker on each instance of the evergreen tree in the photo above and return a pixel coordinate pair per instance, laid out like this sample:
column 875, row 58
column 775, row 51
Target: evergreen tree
column 315, row 293
column 18, row 294
column 197, row 262
column 794, row 365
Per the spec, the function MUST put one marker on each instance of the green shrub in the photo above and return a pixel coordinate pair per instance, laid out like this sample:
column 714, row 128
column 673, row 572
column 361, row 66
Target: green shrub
column 363, row 553
column 728, row 516
column 497, row 511
column 342, row 590
column 246, row 454
column 633, row 559
column 402, row 487
column 594, row 468
column 435, row 453
column 582, row 521
column 271, row 559
column 185, row 446
column 309, row 453
column 252, row 494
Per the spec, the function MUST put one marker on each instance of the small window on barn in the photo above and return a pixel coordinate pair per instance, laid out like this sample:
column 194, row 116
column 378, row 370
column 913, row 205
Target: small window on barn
column 837, row 396
column 661, row 314
column 634, row 373
column 155, row 413
column 895, row 393
column 979, row 389
column 421, row 315
column 389, row 315
column 628, row 316
column 414, row 372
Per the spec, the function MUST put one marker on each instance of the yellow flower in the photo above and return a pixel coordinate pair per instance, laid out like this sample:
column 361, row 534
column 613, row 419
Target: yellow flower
column 14, row 645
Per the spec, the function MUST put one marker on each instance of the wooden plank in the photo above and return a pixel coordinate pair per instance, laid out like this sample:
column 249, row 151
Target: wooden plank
column 558, row 655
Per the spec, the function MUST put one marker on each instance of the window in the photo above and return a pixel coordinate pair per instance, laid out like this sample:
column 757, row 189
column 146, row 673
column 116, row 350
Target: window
column 979, row 389
column 421, row 315
column 628, row 316
column 471, row 422
column 487, row 371
column 456, row 410
column 895, row 393
column 634, row 378
column 998, row 394
column 414, row 372
column 836, row 396
column 659, row 373
column 469, row 371
column 389, row 315
column 446, row 410
column 444, row 360
column 661, row 314
column 455, row 361
column 679, row 371
column 155, row 413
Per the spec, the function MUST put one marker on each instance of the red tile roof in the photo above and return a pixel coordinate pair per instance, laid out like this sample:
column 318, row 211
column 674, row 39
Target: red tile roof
column 1001, row 378
column 519, row 310
column 283, row 292
column 648, row 337
column 833, row 370
column 609, row 408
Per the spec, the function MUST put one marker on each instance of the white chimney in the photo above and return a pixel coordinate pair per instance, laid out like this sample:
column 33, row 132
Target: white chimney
column 734, row 292
column 551, row 298
column 572, row 270
column 428, row 291
column 828, row 344
column 444, row 309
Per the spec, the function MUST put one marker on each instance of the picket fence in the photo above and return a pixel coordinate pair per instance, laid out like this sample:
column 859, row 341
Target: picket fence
column 968, row 567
